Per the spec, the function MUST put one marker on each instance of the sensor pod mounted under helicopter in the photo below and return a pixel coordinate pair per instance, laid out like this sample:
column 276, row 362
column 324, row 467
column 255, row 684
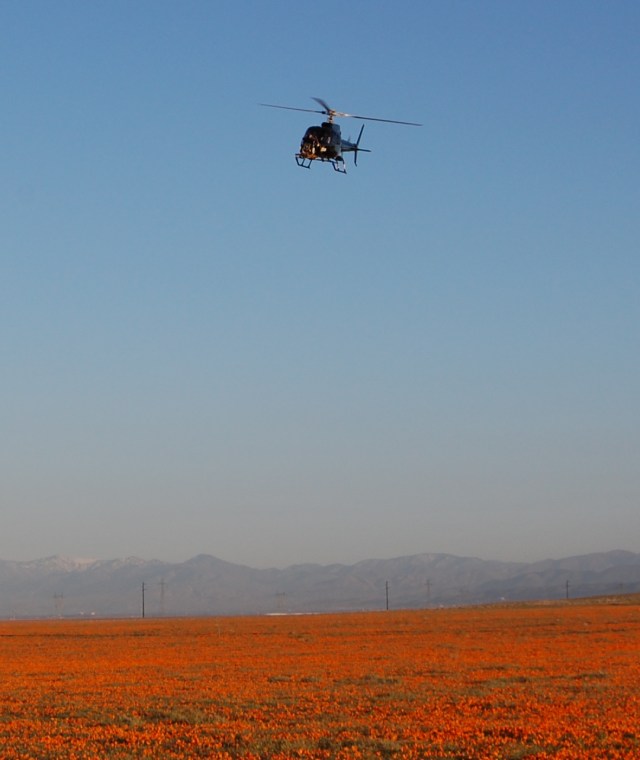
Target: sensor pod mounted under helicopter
column 324, row 143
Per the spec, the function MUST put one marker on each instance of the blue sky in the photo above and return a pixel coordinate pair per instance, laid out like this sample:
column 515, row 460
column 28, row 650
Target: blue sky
column 208, row 349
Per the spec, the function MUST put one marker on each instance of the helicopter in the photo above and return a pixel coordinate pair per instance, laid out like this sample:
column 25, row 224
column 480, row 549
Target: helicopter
column 325, row 143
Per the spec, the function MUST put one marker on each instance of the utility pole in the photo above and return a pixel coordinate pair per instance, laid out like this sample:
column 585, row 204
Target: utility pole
column 428, row 592
column 162, row 589
column 386, row 586
column 58, row 601
column 567, row 588
column 143, row 599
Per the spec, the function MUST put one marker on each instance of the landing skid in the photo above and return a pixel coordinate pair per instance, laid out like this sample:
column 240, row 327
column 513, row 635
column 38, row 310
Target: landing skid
column 337, row 163
column 305, row 163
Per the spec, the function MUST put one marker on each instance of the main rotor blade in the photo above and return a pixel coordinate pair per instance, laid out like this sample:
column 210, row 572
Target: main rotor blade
column 291, row 108
column 339, row 114
column 324, row 105
column 373, row 118
column 328, row 110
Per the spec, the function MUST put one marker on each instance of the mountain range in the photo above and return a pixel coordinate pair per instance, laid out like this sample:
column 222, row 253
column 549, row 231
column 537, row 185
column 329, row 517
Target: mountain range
column 205, row 585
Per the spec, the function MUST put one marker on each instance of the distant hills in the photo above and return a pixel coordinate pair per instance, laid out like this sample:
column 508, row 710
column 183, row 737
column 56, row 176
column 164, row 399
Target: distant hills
column 206, row 585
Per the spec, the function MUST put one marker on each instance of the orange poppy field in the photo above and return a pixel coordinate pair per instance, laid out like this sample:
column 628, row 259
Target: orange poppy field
column 530, row 681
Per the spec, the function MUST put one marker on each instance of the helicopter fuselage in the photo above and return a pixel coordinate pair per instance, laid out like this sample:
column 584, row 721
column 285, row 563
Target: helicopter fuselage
column 322, row 143
column 325, row 143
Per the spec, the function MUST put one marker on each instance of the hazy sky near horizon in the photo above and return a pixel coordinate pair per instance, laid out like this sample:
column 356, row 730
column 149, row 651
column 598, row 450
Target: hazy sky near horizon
column 208, row 349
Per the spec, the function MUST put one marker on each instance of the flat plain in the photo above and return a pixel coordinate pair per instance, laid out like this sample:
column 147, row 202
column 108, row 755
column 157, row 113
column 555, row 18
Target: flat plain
column 558, row 680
